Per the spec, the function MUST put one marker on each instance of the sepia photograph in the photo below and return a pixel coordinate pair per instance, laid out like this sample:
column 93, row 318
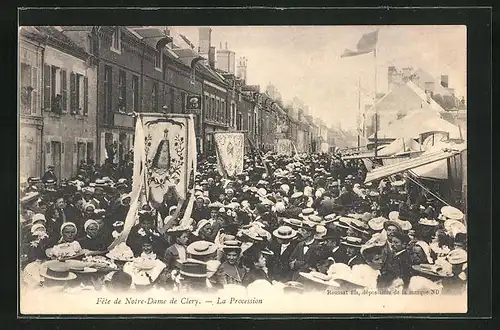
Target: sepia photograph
column 242, row 169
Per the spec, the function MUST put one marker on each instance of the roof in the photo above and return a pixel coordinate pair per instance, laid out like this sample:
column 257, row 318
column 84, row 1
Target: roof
column 59, row 40
column 418, row 122
column 400, row 146
column 411, row 163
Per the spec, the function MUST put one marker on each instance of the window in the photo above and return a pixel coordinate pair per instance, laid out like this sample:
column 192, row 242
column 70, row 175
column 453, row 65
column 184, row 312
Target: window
column 29, row 90
column 90, row 152
column 56, row 91
column 206, row 107
column 158, row 59
column 183, row 102
column 107, row 88
column 122, row 92
column 135, row 93
column 249, row 124
column 239, row 119
column 172, row 100
column 212, row 110
column 154, row 97
column 116, row 40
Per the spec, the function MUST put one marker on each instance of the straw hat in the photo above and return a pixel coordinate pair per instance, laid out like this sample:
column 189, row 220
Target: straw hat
column 294, row 223
column 377, row 223
column 319, row 278
column 343, row 222
column 285, row 232
column 212, row 267
column 359, row 226
column 56, row 270
column 297, row 194
column 201, row 248
column 315, row 220
column 338, row 268
column 450, row 212
column 330, row 217
column 307, row 212
column 390, row 223
column 320, row 232
column 457, row 256
column 352, row 241
column 453, row 227
column 428, row 222
column 232, row 245
column 193, row 268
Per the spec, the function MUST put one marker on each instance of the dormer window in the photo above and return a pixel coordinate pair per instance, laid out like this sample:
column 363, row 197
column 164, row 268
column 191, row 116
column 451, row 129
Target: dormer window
column 116, row 40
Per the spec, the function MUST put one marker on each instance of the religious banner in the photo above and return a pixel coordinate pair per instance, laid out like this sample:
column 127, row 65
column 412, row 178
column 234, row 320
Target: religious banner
column 164, row 158
column 284, row 147
column 169, row 154
column 230, row 150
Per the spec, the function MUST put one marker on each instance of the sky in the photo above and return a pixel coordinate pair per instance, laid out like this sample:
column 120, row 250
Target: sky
column 304, row 61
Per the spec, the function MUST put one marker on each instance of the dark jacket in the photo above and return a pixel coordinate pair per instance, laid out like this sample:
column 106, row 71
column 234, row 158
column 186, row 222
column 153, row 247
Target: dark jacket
column 279, row 264
column 253, row 275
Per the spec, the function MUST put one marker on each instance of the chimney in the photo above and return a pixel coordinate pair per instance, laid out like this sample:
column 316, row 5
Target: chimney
column 204, row 40
column 211, row 57
column 444, row 81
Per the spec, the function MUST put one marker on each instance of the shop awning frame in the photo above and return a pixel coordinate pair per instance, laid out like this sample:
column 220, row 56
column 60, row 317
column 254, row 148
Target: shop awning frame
column 411, row 163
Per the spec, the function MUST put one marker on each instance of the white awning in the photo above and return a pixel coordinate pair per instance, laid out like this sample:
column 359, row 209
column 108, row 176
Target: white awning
column 411, row 163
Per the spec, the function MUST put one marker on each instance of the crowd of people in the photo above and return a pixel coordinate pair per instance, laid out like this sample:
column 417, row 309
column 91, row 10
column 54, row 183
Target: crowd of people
column 300, row 223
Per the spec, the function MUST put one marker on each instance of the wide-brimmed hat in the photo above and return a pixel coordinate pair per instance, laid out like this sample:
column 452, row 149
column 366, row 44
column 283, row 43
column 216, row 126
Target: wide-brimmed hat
column 118, row 224
column 360, row 276
column 352, row 241
column 428, row 222
column 457, row 256
column 398, row 183
column 450, row 212
column 29, row 197
column 79, row 266
column 319, row 278
column 56, row 270
column 284, row 232
column 297, row 194
column 315, row 220
column 321, row 232
column 307, row 212
column 216, row 205
column 193, row 268
column 453, row 227
column 359, row 226
column 201, row 248
column 405, row 225
column 378, row 240
column 252, row 234
column 330, row 217
column 433, row 270
column 232, row 245
column 294, row 223
column 377, row 223
column 343, row 222
column 389, row 223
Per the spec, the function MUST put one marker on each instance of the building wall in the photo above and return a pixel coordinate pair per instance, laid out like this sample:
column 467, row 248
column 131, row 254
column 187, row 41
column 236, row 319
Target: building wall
column 70, row 129
column 31, row 121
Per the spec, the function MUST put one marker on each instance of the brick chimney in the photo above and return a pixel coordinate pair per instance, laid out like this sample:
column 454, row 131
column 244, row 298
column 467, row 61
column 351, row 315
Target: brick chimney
column 211, row 57
column 444, row 81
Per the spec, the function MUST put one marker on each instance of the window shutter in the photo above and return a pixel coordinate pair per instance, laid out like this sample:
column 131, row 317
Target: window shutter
column 47, row 87
column 72, row 91
column 62, row 147
column 85, row 96
column 34, row 93
column 64, row 90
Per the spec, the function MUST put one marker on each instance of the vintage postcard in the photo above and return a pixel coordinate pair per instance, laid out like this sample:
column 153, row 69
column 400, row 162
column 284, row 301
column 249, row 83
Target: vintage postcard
column 242, row 169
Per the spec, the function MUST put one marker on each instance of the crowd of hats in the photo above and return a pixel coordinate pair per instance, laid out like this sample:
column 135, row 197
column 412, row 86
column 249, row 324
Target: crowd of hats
column 317, row 198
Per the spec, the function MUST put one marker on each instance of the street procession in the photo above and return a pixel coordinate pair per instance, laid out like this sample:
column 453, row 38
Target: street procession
column 178, row 176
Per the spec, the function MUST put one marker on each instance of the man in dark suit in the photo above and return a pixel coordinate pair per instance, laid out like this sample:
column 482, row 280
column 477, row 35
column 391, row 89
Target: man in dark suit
column 282, row 247
column 49, row 175
column 302, row 250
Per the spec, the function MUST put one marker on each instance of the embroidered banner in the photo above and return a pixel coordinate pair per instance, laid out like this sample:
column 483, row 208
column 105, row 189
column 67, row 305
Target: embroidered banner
column 229, row 147
column 169, row 154
column 284, row 147
column 164, row 157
